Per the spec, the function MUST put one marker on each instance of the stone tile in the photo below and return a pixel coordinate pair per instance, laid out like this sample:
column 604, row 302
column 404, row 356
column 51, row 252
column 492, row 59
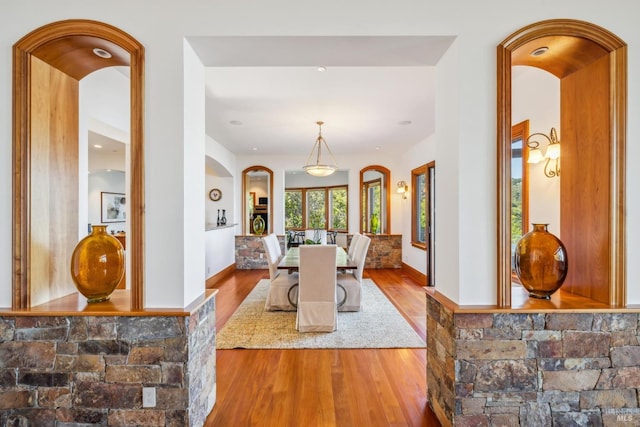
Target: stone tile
column 472, row 421
column 149, row 328
column 173, row 373
column 103, row 347
column 43, row 379
column 140, row 418
column 22, row 354
column 507, row 375
column 8, row 377
column 617, row 322
column 14, row 399
column 568, row 322
column 473, row 321
column 75, row 417
column 535, row 414
column 66, row 348
column 505, row 420
column 623, row 398
column 7, row 329
column 625, row 356
column 28, row 417
column 42, row 334
column 583, row 418
column 134, row 374
column 570, row 380
column 54, row 397
column 586, row 344
column 102, row 395
column 499, row 349
column 145, row 355
column 172, row 398
column 628, row 377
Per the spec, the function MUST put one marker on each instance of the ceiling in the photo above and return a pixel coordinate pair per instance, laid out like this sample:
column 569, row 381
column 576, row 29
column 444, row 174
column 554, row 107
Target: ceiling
column 264, row 95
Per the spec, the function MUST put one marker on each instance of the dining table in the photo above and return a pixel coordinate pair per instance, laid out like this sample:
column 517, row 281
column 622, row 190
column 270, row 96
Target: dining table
column 291, row 261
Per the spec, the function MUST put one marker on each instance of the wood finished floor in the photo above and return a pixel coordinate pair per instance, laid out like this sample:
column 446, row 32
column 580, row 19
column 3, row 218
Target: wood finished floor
column 379, row 387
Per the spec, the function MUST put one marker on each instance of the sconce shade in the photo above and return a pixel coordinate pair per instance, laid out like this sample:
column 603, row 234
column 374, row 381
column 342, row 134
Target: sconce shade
column 535, row 156
column 403, row 188
column 553, row 151
column 318, row 168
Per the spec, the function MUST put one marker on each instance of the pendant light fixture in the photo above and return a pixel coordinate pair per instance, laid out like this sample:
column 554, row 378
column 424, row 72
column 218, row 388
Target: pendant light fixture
column 318, row 168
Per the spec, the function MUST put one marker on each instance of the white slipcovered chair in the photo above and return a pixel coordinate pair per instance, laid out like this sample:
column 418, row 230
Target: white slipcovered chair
column 317, row 305
column 352, row 281
column 352, row 244
column 316, row 235
column 280, row 281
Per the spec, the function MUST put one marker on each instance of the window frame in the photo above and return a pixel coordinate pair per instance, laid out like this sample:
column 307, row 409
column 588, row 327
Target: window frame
column 415, row 174
column 327, row 209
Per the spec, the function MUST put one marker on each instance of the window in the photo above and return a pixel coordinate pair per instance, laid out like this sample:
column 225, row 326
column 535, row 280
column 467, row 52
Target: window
column 323, row 207
column 372, row 203
column 419, row 208
column 293, row 209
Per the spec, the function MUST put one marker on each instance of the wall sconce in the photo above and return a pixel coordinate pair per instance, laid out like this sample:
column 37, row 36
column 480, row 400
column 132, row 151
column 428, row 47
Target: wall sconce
column 552, row 152
column 403, row 189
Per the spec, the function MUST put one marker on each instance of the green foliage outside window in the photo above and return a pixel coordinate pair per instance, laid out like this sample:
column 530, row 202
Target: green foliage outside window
column 293, row 209
column 516, row 210
column 316, row 217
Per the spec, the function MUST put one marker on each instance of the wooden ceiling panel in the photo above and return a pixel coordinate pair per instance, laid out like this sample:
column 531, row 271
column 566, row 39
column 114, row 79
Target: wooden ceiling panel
column 566, row 54
column 74, row 55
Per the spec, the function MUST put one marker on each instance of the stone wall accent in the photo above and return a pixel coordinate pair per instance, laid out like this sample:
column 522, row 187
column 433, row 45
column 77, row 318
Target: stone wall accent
column 385, row 251
column 250, row 253
column 526, row 369
column 90, row 370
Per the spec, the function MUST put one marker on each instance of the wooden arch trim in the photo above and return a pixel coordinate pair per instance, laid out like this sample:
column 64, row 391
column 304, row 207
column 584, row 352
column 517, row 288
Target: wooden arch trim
column 256, row 168
column 387, row 176
column 43, row 42
column 616, row 48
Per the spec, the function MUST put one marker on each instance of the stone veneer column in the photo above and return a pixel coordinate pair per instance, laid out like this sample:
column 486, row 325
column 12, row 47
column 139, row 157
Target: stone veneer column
column 533, row 369
column 90, row 370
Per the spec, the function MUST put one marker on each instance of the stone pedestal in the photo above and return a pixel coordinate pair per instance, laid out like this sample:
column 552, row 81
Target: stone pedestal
column 526, row 368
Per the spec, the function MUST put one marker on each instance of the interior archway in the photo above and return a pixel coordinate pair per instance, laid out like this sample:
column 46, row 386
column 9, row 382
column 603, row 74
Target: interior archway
column 63, row 53
column 581, row 46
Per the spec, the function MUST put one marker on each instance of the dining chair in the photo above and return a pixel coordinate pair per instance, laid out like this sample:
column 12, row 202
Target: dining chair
column 352, row 281
column 279, row 282
column 352, row 244
column 317, row 304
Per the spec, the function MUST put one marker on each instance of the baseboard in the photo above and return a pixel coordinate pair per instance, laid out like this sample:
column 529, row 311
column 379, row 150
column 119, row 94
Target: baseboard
column 415, row 274
column 220, row 276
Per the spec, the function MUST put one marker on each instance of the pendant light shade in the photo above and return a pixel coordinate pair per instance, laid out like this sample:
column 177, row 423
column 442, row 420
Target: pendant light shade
column 316, row 165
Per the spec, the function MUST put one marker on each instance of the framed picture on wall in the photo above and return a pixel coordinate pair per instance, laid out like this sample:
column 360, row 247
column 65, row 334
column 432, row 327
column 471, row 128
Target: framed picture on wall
column 113, row 207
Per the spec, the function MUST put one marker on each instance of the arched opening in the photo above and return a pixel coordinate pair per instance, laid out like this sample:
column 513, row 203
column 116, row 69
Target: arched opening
column 591, row 62
column 48, row 64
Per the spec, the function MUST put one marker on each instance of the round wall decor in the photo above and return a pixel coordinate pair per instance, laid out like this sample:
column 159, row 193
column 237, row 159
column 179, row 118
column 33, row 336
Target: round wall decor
column 215, row 194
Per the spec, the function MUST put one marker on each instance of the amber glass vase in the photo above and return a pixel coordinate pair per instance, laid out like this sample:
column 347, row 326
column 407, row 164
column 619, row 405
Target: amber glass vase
column 540, row 261
column 97, row 264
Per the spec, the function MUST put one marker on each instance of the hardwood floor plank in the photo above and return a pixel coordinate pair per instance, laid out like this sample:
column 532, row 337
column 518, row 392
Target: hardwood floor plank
column 323, row 387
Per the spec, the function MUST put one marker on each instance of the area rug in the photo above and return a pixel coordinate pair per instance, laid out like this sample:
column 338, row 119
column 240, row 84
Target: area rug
column 377, row 325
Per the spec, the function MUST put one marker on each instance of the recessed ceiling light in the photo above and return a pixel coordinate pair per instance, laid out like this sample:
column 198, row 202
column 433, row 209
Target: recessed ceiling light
column 105, row 54
column 540, row 51
column 377, row 147
column 97, row 146
column 235, row 122
column 255, row 148
column 404, row 122
column 321, row 68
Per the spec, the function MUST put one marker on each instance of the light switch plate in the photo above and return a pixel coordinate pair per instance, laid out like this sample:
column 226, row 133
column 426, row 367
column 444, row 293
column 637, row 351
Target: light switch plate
column 148, row 397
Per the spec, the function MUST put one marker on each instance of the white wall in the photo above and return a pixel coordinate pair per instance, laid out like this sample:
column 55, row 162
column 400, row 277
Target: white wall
column 536, row 97
column 465, row 136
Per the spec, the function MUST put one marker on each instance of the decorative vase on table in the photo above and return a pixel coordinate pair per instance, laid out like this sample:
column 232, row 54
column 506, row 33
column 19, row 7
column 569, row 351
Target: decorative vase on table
column 541, row 262
column 97, row 264
column 258, row 225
